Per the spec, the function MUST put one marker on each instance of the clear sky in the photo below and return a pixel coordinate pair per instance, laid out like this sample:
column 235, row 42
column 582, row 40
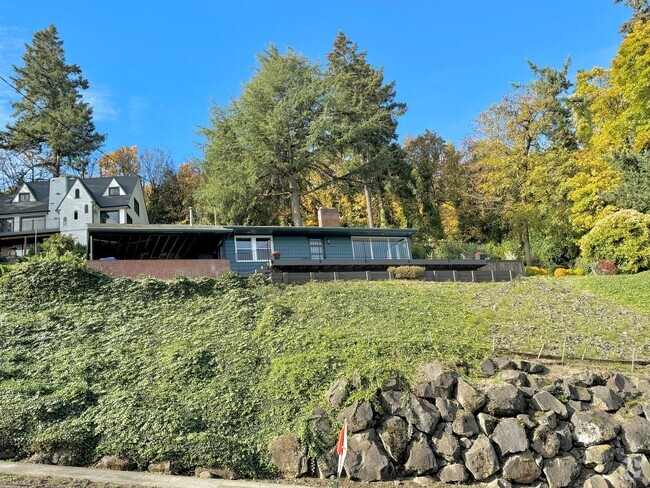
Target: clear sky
column 155, row 67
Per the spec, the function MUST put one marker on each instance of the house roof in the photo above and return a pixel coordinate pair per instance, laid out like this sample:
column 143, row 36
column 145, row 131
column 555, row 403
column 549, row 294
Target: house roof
column 250, row 230
column 40, row 190
column 320, row 231
column 95, row 186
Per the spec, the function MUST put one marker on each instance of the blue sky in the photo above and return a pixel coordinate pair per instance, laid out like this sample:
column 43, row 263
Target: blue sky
column 155, row 67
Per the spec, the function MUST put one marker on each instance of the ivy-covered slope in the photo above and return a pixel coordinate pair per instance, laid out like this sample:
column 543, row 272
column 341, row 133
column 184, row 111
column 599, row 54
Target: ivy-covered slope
column 206, row 372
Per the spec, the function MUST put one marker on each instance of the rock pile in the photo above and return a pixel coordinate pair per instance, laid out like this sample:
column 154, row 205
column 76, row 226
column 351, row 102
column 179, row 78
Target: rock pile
column 526, row 428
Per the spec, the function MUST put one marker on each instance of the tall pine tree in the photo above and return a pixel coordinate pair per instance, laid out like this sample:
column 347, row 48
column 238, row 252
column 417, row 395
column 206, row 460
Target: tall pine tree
column 51, row 121
column 359, row 117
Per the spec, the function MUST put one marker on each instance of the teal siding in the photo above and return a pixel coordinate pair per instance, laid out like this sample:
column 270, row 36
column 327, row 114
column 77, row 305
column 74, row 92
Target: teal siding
column 290, row 247
column 338, row 247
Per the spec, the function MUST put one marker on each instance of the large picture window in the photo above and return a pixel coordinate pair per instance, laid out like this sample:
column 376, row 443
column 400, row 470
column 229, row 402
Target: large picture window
column 252, row 249
column 380, row 248
column 6, row 225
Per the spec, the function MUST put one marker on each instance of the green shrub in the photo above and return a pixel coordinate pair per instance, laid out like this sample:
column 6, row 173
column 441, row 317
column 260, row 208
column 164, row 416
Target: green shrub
column 60, row 247
column 623, row 238
column 407, row 272
column 450, row 249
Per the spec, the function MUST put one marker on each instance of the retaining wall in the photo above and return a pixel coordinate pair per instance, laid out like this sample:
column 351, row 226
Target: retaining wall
column 162, row 269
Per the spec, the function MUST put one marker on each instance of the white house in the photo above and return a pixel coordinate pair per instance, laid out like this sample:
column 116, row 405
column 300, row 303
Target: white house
column 67, row 205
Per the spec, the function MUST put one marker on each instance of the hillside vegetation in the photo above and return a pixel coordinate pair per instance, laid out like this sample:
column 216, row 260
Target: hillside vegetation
column 206, row 372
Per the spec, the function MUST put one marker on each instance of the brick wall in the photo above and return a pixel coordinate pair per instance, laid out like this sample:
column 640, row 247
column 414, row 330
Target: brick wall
column 162, row 269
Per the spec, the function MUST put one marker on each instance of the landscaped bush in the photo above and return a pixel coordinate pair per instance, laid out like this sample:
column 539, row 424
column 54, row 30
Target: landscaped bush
column 606, row 267
column 623, row 238
column 407, row 272
column 560, row 272
column 536, row 271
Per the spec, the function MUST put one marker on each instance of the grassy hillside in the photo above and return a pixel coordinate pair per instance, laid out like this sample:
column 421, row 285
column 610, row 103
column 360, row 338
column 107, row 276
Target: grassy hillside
column 206, row 372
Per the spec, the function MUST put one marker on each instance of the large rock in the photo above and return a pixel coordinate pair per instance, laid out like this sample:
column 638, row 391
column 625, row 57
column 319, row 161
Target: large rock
column 635, row 433
column 446, row 446
column 447, row 408
column 420, row 459
column 394, row 435
column 599, row 458
column 561, row 471
column 596, row 481
column 65, row 457
column 327, row 463
column 487, row 368
column 521, row 468
column 163, row 467
column 486, row 423
column 115, row 463
column 620, row 478
column 438, row 382
column 286, row 456
column 603, row 398
column 359, row 416
column 576, row 393
column 391, row 402
column 622, row 386
column 453, row 473
column 516, row 378
column 505, row 400
column 545, row 441
column 366, row 459
column 481, row 460
column 591, row 428
column 563, row 430
column 639, row 468
column 465, row 425
column 422, row 414
column 510, row 436
column 469, row 397
column 546, row 402
column 337, row 393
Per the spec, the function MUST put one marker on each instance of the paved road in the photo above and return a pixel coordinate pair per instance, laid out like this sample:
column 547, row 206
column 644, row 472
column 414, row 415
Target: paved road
column 127, row 477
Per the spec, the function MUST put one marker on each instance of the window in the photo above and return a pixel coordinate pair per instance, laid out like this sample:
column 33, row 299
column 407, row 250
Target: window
column 253, row 249
column 32, row 223
column 316, row 249
column 6, row 225
column 65, row 221
column 75, row 215
column 380, row 248
column 136, row 207
column 23, row 197
column 129, row 220
column 113, row 191
column 112, row 217
column 76, row 193
column 86, row 208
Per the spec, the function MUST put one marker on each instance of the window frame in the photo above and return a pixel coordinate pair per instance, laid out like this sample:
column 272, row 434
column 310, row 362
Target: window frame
column 26, row 194
column 77, row 194
column 316, row 243
column 111, row 191
column 253, row 249
column 388, row 240
column 136, row 207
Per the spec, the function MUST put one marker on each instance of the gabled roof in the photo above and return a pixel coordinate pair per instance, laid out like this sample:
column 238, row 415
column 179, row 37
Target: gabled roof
column 40, row 190
column 96, row 188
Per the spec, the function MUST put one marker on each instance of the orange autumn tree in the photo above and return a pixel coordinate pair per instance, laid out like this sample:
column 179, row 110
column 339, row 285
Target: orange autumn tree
column 122, row 161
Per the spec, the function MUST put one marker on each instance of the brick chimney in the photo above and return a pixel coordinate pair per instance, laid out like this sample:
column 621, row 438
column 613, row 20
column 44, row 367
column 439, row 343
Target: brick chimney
column 328, row 217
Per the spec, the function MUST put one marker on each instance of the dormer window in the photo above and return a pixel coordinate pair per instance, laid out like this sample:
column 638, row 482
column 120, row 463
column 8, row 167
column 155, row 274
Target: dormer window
column 76, row 193
column 113, row 191
column 23, row 197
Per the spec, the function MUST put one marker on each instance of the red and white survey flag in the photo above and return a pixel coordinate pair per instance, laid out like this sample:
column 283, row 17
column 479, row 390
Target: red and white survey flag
column 342, row 446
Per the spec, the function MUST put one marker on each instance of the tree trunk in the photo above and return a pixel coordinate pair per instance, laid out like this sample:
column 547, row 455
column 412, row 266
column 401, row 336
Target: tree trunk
column 366, row 190
column 295, row 203
column 56, row 165
column 383, row 217
column 526, row 239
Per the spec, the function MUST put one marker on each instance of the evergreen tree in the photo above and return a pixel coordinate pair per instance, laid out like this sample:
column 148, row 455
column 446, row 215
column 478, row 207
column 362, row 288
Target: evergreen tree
column 261, row 151
column 51, row 120
column 359, row 118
